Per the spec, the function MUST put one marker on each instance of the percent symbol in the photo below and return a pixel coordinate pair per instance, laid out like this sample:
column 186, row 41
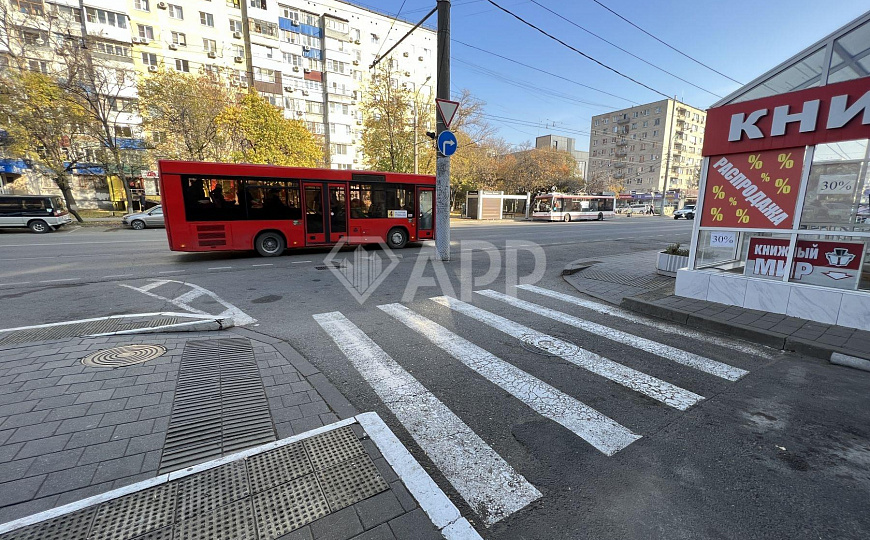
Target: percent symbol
column 782, row 186
column 732, row 201
column 742, row 216
column 785, row 161
column 716, row 213
column 755, row 161
column 718, row 192
column 765, row 177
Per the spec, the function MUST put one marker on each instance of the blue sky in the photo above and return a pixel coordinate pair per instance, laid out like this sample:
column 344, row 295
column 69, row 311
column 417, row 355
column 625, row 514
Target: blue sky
column 740, row 38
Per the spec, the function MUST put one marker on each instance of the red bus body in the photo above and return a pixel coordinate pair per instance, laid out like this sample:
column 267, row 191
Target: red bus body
column 225, row 207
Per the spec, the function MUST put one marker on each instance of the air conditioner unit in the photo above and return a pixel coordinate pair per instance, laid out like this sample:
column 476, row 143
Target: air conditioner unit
column 152, row 69
column 356, row 62
column 238, row 59
column 353, row 102
column 405, row 54
column 307, row 70
column 135, row 39
column 237, row 35
column 407, row 74
column 353, row 141
column 212, row 54
column 305, row 48
column 161, row 5
column 243, row 85
column 356, row 161
column 359, row 122
column 173, row 47
column 143, row 41
column 289, row 89
column 305, row 92
column 296, row 69
column 299, row 113
column 356, row 42
column 420, row 58
column 294, row 23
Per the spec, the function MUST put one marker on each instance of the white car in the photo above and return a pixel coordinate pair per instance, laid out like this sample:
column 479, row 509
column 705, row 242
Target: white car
column 687, row 212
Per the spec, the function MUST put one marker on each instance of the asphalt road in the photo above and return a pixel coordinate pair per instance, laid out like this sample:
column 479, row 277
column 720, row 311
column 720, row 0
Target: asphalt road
column 783, row 452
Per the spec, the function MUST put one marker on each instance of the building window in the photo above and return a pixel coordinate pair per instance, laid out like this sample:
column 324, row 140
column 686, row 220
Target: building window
column 209, row 45
column 657, row 121
column 39, row 66
column 112, row 49
column 149, row 59
column 314, row 107
column 235, row 26
column 179, row 38
column 238, row 50
column 123, row 131
column 206, row 19
column 264, row 28
column 142, row 5
column 69, row 13
column 375, row 39
column 30, row 7
column 234, row 4
column 175, row 12
column 145, row 32
column 109, row 18
column 258, row 4
column 264, row 75
column 182, row 65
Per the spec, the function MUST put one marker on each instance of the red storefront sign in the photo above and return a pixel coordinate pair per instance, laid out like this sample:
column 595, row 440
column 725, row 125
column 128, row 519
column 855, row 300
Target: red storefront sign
column 829, row 264
column 753, row 190
column 832, row 113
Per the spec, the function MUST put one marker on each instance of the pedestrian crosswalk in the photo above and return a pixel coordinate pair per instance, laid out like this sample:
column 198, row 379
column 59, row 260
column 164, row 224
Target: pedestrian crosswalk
column 490, row 485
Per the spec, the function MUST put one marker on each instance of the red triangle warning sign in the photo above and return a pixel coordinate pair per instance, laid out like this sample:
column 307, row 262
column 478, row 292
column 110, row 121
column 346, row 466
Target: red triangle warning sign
column 447, row 110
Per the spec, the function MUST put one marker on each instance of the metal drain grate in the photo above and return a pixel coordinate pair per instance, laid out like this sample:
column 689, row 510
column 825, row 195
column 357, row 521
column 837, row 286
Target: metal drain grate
column 350, row 482
column 643, row 281
column 277, row 466
column 220, row 404
column 333, row 447
column 66, row 331
column 235, row 521
column 211, row 489
column 127, row 355
column 73, row 526
column 135, row 514
column 289, row 506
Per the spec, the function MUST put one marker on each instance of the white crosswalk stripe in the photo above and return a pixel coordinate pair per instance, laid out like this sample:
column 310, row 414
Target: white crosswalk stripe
column 685, row 358
column 486, row 481
column 598, row 430
column 657, row 324
column 648, row 385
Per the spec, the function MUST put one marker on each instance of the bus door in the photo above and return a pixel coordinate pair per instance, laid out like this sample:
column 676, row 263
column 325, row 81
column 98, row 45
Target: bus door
column 337, row 212
column 315, row 217
column 425, row 212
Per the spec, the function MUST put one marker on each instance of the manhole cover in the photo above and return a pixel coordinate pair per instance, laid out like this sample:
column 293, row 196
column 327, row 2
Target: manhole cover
column 124, row 356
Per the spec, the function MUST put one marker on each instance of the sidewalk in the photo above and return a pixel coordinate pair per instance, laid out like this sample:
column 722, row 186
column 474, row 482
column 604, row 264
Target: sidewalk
column 630, row 281
column 114, row 447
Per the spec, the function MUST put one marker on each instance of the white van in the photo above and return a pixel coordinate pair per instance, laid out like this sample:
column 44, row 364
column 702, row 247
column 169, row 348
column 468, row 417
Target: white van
column 39, row 213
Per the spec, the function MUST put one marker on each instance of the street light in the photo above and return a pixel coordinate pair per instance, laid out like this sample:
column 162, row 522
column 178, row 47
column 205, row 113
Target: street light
column 416, row 97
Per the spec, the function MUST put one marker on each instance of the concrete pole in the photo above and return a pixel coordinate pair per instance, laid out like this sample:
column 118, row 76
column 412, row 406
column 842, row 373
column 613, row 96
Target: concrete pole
column 442, row 163
column 668, row 159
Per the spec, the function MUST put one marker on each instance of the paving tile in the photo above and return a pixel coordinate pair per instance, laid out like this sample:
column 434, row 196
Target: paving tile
column 386, row 471
column 130, row 391
column 836, row 341
column 108, row 406
column 57, row 461
column 403, row 495
column 120, row 417
column 8, row 451
column 43, row 446
column 145, row 443
column 286, row 414
column 133, row 429
column 143, row 401
column 414, row 525
column 299, row 534
column 57, row 402
column 156, row 411
column 12, row 470
column 91, row 437
column 83, row 423
column 299, row 398
column 306, row 424
column 15, row 511
column 315, row 408
column 66, row 480
column 72, row 411
column 32, row 432
column 98, row 395
column 81, row 388
column 103, row 452
column 339, row 525
column 83, row 493
column 116, row 469
column 19, row 407
column 25, row 419
column 78, row 378
column 381, row 532
column 20, row 490
column 378, row 509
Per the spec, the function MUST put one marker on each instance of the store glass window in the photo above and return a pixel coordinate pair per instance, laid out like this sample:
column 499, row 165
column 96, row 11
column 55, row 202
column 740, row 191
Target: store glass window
column 838, row 191
column 803, row 74
column 851, row 56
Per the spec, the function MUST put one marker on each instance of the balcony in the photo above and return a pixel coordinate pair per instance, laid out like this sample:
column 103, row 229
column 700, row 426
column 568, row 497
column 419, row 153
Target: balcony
column 621, row 152
column 619, row 174
column 619, row 164
column 621, row 142
column 623, row 120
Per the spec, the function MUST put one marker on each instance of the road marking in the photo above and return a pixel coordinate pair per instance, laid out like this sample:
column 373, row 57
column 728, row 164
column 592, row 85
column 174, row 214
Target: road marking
column 239, row 317
column 590, row 425
column 299, row 262
column 57, row 280
column 492, row 488
column 11, row 284
column 658, row 325
column 171, row 271
column 648, row 385
column 258, row 265
column 679, row 356
column 118, row 276
column 221, row 268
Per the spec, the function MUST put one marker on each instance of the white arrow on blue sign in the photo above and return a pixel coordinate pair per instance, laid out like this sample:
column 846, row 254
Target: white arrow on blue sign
column 447, row 143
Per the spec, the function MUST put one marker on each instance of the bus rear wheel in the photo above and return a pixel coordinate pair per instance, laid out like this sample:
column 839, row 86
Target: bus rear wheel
column 567, row 218
column 600, row 216
column 270, row 244
column 397, row 238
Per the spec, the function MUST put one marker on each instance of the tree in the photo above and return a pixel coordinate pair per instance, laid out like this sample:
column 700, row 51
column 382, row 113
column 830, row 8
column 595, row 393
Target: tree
column 541, row 170
column 187, row 107
column 392, row 112
column 257, row 132
column 43, row 126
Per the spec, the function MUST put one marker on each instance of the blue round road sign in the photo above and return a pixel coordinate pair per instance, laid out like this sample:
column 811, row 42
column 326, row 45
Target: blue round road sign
column 447, row 143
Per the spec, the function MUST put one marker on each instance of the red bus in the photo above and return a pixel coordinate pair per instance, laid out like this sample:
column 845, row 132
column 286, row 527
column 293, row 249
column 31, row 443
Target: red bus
column 233, row 207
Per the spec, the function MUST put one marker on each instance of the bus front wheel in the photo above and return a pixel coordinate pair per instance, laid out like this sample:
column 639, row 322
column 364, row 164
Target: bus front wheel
column 600, row 216
column 397, row 238
column 270, row 244
column 567, row 218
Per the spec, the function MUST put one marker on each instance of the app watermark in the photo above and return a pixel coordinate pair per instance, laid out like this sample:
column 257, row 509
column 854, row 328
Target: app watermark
column 363, row 270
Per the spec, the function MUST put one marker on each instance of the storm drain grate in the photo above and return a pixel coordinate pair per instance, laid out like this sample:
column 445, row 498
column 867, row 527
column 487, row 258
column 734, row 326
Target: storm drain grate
column 220, row 404
column 126, row 355
column 235, row 520
column 333, row 447
column 350, row 482
column 211, row 489
column 135, row 514
column 278, row 466
column 66, row 331
column 73, row 526
column 289, row 506
column 645, row 281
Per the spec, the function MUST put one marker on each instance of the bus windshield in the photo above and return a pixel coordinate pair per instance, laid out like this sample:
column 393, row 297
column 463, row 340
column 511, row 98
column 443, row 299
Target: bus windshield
column 543, row 204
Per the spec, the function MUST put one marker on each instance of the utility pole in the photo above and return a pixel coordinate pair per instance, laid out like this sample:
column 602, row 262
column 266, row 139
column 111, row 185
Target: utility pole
column 442, row 162
column 668, row 159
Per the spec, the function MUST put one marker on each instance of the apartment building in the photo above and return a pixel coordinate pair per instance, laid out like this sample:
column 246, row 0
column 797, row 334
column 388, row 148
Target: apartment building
column 640, row 146
column 310, row 58
column 565, row 144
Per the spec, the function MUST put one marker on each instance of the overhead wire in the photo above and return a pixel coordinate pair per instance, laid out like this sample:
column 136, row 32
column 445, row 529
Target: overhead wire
column 578, row 51
column 663, row 70
column 392, row 24
column 668, row 45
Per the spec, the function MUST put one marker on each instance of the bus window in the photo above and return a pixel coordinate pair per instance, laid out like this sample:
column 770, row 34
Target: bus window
column 375, row 201
column 268, row 199
column 211, row 199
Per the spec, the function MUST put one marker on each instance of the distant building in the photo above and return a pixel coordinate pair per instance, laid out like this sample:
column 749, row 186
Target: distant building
column 640, row 146
column 567, row 144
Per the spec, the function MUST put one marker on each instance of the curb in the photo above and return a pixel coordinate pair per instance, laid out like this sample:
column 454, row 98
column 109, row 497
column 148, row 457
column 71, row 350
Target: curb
column 833, row 354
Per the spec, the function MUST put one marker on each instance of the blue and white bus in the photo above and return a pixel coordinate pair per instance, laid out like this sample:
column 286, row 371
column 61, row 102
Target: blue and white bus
column 563, row 207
